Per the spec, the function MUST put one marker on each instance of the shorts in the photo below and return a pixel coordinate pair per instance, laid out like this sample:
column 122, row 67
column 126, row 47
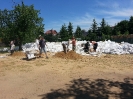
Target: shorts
column 42, row 49
column 74, row 47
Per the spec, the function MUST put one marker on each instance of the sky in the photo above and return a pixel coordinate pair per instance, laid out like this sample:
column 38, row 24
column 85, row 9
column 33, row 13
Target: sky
column 79, row 12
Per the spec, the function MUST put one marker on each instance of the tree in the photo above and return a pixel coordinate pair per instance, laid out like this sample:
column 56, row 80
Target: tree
column 78, row 32
column 103, row 25
column 84, row 34
column 94, row 26
column 93, row 34
column 22, row 24
column 115, row 30
column 126, row 33
column 123, row 26
column 70, row 30
column 63, row 33
column 6, row 25
column 88, row 35
column 50, row 37
column 130, row 25
column 105, row 30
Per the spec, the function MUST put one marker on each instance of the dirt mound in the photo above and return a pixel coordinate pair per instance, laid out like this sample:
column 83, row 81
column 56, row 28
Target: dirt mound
column 69, row 55
column 18, row 54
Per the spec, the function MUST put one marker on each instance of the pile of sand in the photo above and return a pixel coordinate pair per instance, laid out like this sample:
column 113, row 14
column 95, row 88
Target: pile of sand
column 69, row 55
column 18, row 53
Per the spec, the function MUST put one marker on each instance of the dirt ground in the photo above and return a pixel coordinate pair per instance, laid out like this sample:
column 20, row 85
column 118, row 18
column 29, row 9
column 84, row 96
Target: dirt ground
column 66, row 76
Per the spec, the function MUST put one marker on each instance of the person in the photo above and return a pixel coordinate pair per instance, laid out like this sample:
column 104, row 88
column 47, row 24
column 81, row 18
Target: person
column 64, row 47
column 73, row 43
column 42, row 44
column 68, row 44
column 12, row 47
column 94, row 43
column 11, row 42
column 86, row 47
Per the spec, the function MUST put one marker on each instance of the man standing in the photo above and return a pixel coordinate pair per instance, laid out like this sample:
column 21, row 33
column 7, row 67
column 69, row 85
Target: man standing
column 12, row 48
column 42, row 44
column 73, row 43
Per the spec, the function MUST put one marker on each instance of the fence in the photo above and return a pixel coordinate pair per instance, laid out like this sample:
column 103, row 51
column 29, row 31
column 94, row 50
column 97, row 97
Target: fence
column 121, row 38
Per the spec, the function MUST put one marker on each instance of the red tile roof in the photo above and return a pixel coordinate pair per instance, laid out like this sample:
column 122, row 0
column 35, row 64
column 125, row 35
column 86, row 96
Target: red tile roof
column 51, row 31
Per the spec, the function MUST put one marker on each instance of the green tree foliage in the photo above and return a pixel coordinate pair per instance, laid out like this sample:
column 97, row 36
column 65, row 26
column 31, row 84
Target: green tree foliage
column 108, row 32
column 84, row 34
column 126, row 33
column 130, row 25
column 63, row 33
column 94, row 26
column 123, row 26
column 88, row 35
column 70, row 30
column 50, row 37
column 103, row 25
column 22, row 24
column 105, row 30
column 6, row 25
column 115, row 30
column 118, row 33
column 92, row 33
column 78, row 32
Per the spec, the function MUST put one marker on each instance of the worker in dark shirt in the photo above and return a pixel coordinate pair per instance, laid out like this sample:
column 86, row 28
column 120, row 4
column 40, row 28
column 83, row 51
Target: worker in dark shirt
column 42, row 45
column 86, row 47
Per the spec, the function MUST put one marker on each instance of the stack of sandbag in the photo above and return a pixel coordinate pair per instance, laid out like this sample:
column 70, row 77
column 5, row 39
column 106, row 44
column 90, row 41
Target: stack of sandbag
column 111, row 47
column 30, row 49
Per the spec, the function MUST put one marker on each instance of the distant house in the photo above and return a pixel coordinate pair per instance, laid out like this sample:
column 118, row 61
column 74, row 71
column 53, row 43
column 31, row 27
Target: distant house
column 53, row 32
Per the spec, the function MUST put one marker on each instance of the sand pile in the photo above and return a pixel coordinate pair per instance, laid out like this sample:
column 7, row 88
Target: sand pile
column 19, row 53
column 69, row 55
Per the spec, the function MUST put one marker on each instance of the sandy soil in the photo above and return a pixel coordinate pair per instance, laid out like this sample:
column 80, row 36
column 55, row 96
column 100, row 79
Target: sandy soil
column 83, row 77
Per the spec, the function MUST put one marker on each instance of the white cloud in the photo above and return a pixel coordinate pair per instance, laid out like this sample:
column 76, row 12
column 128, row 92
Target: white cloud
column 100, row 4
column 112, row 16
column 108, row 4
column 119, row 13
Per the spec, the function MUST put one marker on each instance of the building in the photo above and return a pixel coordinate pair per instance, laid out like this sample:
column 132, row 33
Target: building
column 53, row 32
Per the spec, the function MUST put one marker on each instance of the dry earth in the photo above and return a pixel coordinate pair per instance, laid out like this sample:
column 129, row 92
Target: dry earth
column 66, row 76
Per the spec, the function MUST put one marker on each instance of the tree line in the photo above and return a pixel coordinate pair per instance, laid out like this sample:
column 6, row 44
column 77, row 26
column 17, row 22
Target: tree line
column 23, row 24
column 102, row 32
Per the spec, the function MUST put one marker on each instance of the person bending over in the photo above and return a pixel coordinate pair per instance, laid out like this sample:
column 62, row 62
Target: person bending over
column 95, row 45
column 86, row 47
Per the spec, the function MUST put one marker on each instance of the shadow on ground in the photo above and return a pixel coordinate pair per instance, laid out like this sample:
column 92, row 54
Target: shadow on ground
column 93, row 89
